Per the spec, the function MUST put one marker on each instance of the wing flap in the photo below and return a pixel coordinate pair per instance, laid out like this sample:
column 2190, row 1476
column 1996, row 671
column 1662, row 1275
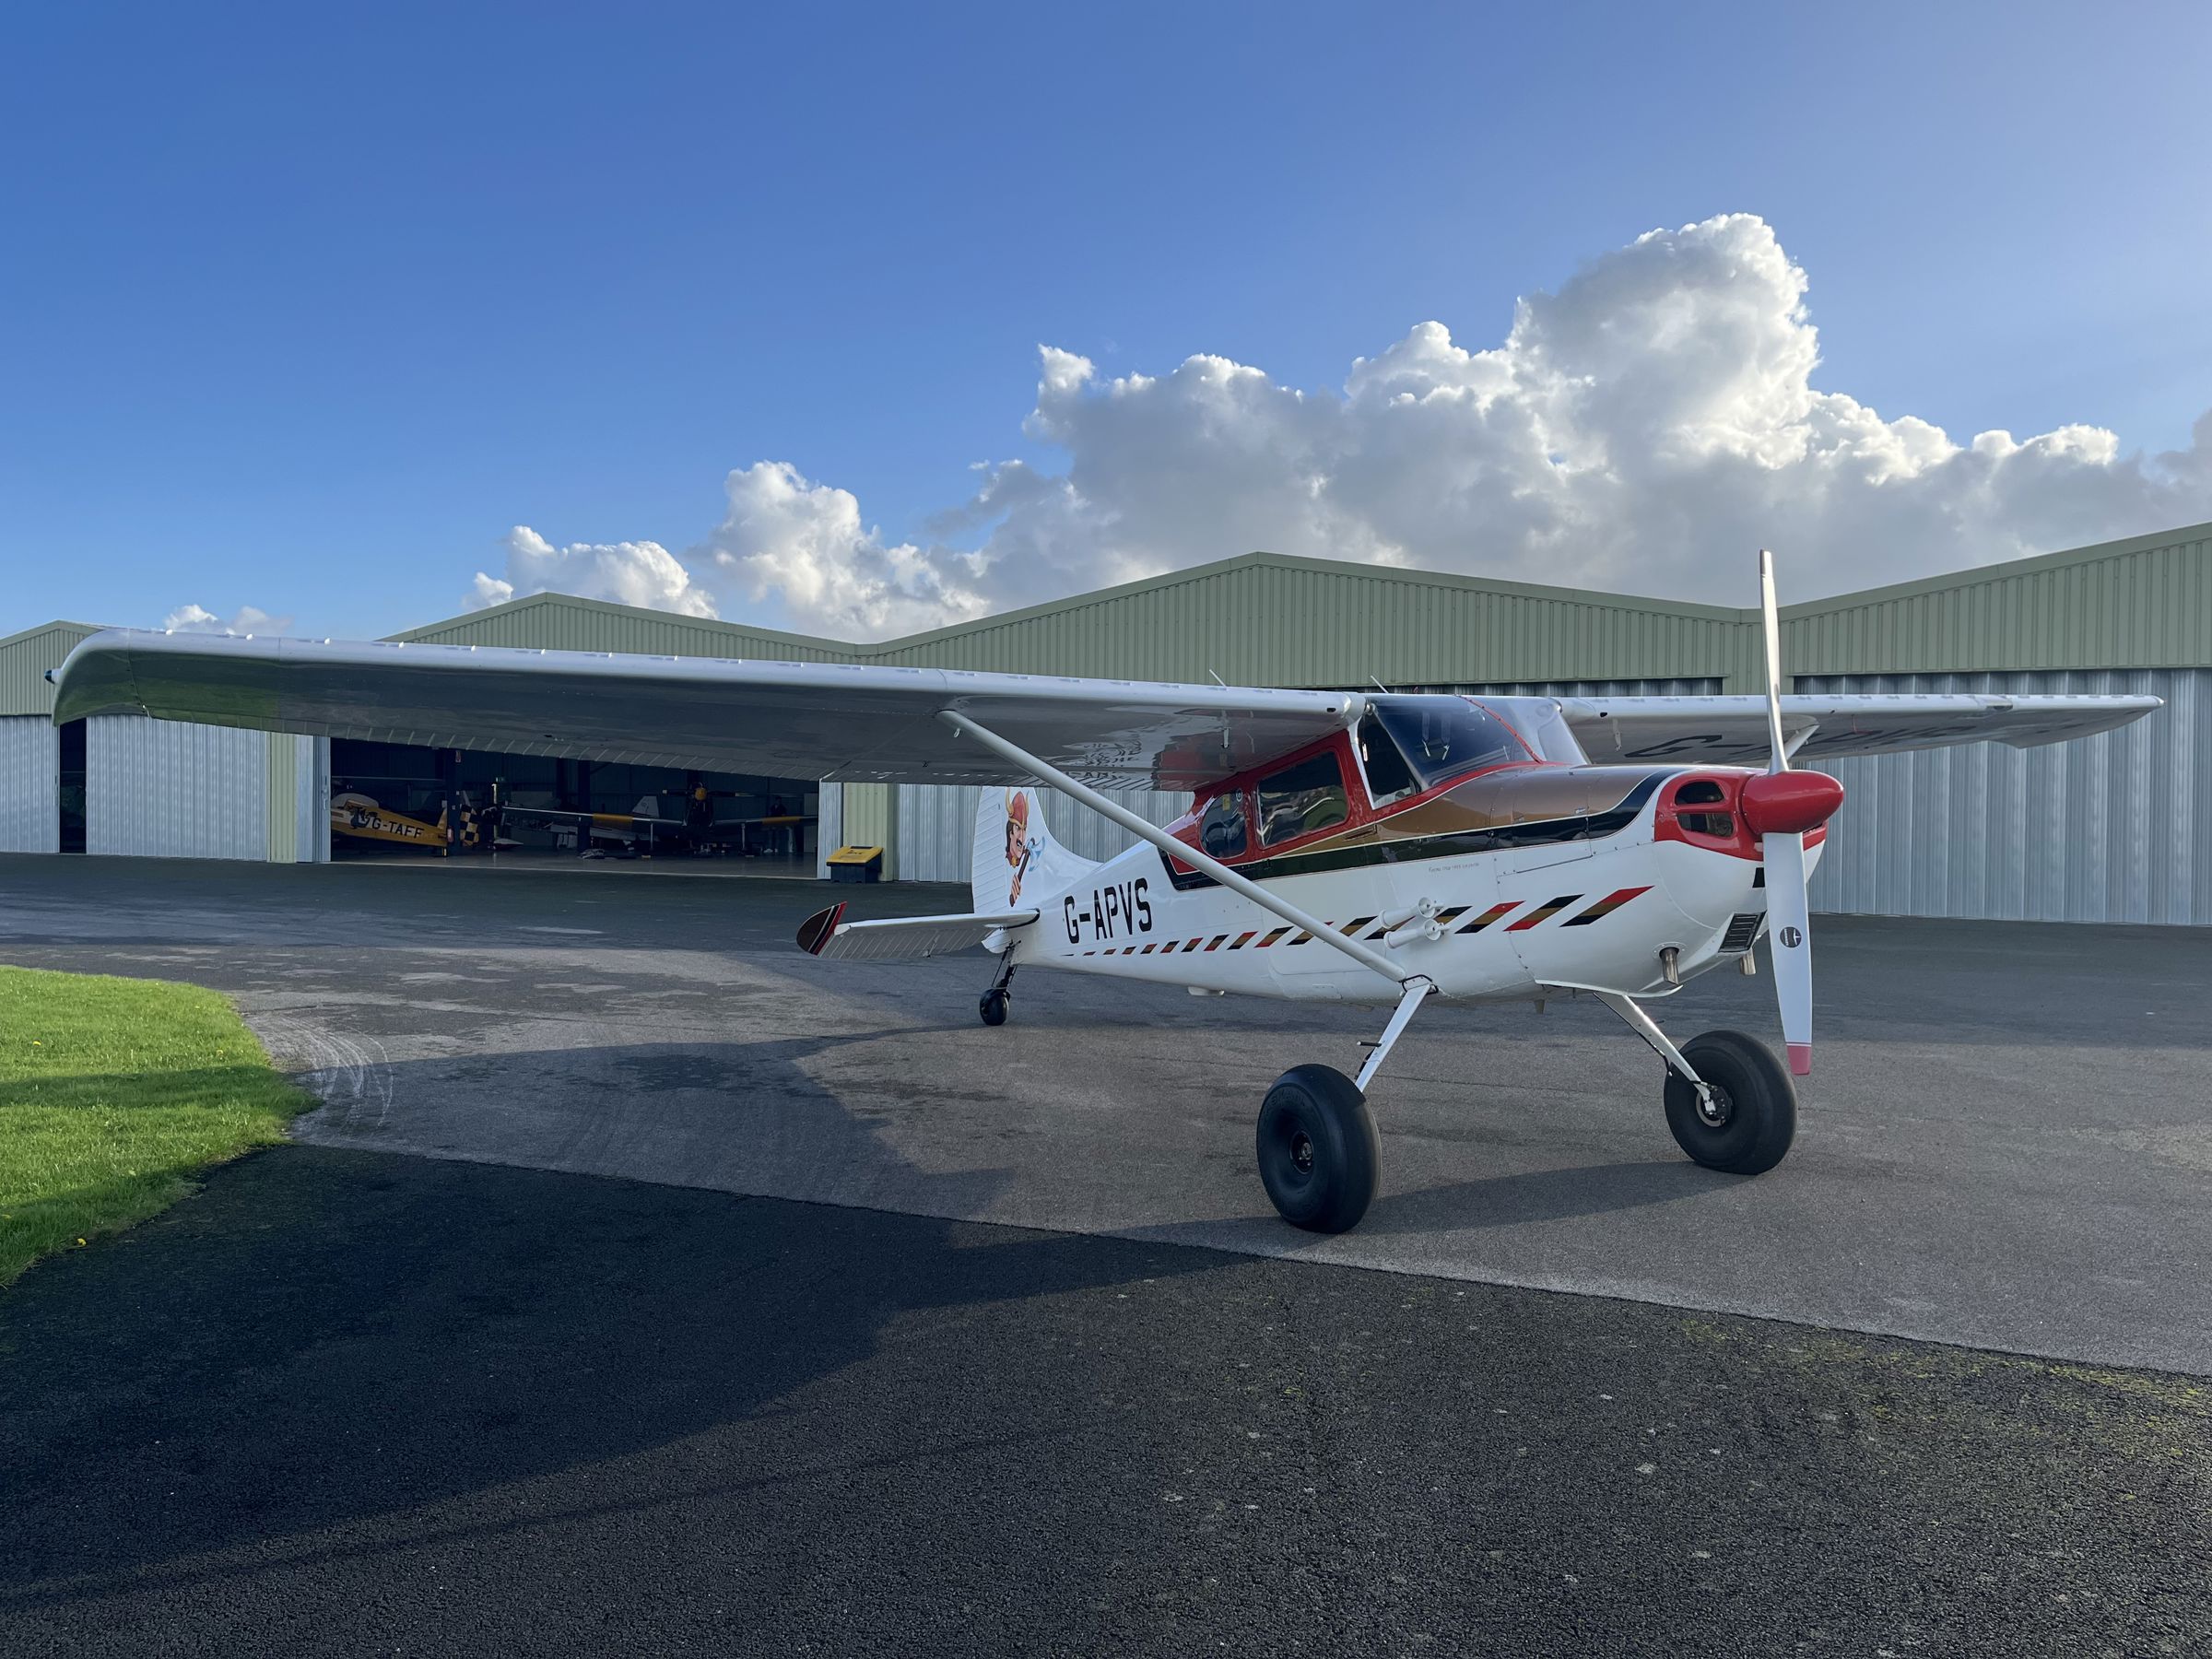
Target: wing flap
column 1731, row 731
column 900, row 940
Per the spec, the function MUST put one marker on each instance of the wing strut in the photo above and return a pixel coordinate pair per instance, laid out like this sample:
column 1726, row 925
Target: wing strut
column 1147, row 830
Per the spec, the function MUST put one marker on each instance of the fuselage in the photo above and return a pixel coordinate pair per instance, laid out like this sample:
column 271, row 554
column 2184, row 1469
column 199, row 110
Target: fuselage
column 1494, row 885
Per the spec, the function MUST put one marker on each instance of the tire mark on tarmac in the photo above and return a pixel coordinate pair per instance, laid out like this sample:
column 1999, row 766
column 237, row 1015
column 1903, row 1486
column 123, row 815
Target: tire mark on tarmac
column 338, row 1070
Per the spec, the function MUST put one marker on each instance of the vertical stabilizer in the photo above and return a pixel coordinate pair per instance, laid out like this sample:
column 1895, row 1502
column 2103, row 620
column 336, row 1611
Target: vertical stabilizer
column 1015, row 858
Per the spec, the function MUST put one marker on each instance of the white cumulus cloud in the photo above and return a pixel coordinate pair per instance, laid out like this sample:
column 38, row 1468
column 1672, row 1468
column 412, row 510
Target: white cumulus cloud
column 804, row 543
column 1640, row 429
column 248, row 620
column 631, row 572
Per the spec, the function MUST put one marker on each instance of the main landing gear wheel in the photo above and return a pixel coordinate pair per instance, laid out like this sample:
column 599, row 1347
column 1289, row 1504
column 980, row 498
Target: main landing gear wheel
column 993, row 1006
column 1320, row 1157
column 1747, row 1125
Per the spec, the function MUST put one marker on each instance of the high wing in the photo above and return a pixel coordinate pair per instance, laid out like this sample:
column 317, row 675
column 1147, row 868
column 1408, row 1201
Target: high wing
column 852, row 722
column 815, row 720
column 1731, row 731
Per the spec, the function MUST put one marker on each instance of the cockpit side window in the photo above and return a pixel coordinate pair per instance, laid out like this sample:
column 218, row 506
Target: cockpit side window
column 1221, row 832
column 1388, row 776
column 1300, row 799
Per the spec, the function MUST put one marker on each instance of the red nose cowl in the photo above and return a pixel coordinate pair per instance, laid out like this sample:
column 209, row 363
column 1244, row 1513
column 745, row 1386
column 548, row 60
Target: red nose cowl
column 1789, row 803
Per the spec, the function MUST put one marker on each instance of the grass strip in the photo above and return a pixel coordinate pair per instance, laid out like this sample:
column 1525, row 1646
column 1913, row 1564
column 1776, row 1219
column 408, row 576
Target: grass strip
column 112, row 1093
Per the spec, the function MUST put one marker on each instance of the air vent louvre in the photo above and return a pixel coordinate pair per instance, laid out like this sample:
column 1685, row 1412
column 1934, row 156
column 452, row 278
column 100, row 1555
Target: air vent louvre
column 1742, row 930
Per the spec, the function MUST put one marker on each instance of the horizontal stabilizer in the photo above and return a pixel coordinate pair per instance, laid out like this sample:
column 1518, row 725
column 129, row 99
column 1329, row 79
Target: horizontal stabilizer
column 901, row 939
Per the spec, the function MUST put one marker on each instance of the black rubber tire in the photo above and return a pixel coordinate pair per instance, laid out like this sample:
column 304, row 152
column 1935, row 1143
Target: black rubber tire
column 1757, row 1095
column 1320, row 1157
column 992, row 1007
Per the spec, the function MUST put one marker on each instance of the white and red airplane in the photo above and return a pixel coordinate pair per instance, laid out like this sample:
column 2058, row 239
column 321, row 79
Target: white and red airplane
column 1341, row 846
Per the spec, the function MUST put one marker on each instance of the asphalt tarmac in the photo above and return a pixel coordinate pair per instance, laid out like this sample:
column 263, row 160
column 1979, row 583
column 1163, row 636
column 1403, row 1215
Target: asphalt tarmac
column 357, row 1403
column 352, row 1399
column 2008, row 1142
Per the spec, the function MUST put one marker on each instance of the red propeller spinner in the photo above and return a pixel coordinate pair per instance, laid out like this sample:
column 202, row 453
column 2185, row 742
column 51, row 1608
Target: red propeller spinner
column 1789, row 803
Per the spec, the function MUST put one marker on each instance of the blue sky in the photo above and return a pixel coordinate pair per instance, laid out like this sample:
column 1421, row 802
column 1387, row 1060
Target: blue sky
column 309, row 306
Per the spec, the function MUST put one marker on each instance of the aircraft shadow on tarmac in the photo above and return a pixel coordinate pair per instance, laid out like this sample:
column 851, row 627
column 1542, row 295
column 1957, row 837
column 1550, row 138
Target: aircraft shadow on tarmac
column 1530, row 1198
column 1539, row 1195
column 330, row 1338
column 326, row 1336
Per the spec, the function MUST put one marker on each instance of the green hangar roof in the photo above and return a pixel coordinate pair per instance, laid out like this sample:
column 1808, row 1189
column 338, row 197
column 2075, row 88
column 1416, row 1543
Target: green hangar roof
column 1259, row 620
column 1266, row 618
column 2142, row 603
column 24, row 659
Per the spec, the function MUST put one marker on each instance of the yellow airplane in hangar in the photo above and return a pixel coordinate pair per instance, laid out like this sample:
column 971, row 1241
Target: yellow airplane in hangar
column 357, row 817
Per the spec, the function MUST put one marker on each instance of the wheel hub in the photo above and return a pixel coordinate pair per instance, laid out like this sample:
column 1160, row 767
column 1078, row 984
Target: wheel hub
column 1714, row 1107
column 1302, row 1152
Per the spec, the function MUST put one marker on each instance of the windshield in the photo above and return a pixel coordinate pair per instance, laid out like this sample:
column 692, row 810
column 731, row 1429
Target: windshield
column 1543, row 726
column 1444, row 736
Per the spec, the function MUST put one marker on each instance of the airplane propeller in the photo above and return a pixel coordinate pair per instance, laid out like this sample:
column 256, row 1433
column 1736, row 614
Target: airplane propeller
column 1780, row 808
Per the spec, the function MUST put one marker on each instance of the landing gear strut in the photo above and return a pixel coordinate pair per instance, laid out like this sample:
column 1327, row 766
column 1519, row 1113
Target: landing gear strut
column 1730, row 1105
column 1320, row 1156
column 992, row 1007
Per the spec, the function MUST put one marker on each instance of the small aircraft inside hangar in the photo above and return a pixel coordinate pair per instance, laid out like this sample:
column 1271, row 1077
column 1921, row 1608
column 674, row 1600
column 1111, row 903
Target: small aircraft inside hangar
column 388, row 797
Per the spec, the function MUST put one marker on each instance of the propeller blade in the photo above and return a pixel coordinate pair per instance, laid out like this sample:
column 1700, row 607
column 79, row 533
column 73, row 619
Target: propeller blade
column 1769, row 615
column 1790, row 941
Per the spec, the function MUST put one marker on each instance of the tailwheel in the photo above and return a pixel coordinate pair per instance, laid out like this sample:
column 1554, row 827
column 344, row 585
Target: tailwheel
column 1745, row 1123
column 1320, row 1157
column 993, row 1006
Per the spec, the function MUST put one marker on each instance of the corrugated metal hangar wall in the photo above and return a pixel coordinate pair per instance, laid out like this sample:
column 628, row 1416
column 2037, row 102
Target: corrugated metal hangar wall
column 155, row 788
column 165, row 788
column 2116, row 828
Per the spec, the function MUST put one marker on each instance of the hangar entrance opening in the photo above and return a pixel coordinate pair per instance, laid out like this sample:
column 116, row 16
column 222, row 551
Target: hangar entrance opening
column 392, row 800
column 69, row 786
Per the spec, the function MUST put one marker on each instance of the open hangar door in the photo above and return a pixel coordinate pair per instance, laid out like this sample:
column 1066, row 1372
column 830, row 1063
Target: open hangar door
column 397, row 799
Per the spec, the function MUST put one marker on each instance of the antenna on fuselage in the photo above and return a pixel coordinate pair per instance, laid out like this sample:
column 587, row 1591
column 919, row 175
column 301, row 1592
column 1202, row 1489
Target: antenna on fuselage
column 1217, row 679
column 1378, row 684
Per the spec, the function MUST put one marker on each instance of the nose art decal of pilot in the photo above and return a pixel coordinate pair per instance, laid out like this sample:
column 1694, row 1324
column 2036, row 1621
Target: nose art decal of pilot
column 1018, row 839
